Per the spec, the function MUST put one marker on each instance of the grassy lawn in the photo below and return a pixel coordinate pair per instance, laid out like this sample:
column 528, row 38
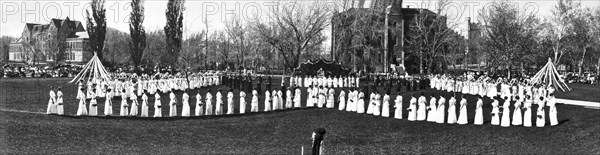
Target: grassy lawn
column 585, row 92
column 280, row 132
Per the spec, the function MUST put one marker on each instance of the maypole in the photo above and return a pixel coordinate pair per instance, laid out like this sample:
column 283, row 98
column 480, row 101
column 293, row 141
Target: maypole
column 92, row 70
column 548, row 75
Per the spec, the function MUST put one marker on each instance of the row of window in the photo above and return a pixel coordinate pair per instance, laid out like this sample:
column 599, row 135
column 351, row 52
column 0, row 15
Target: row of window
column 69, row 56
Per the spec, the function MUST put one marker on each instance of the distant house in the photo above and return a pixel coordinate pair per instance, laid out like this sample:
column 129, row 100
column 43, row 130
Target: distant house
column 33, row 47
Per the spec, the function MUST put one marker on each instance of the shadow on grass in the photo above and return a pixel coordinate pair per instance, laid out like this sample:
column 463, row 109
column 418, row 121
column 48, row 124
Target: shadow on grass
column 204, row 117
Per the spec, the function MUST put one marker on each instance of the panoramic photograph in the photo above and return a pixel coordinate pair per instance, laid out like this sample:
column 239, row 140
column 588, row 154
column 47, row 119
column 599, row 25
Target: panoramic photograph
column 310, row 77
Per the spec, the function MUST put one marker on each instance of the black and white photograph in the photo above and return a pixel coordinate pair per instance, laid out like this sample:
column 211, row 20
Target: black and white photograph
column 307, row 77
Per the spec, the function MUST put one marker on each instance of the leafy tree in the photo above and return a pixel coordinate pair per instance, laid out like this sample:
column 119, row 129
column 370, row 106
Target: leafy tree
column 96, row 26
column 137, row 33
column 173, row 31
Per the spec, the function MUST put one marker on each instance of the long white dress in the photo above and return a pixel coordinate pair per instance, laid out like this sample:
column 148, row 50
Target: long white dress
column 517, row 115
column 280, row 101
column 527, row 114
column 330, row 98
column 93, row 111
column 267, row 101
column 322, row 98
column 199, row 109
column 377, row 106
column 209, row 105
column 398, row 106
column 505, row 121
column 495, row 113
column 172, row 105
column 219, row 104
column 412, row 109
column 360, row 105
column 441, row 110
column 242, row 102
column 297, row 98
column 82, row 110
column 350, row 105
column 462, row 118
column 552, row 113
column 479, row 112
column 254, row 103
column 431, row 115
column 134, row 104
column 288, row 99
column 452, row 111
column 60, row 110
column 385, row 107
column 230, row 106
column 157, row 105
column 51, row 103
column 422, row 109
column 371, row 104
column 274, row 100
column 108, row 104
column 541, row 114
column 124, row 105
column 144, row 112
column 309, row 97
column 185, row 107
column 342, row 100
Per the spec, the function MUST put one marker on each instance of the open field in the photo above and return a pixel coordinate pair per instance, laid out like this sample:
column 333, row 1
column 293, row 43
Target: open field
column 279, row 132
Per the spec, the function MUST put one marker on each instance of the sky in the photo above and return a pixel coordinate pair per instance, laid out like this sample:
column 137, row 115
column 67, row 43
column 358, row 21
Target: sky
column 15, row 13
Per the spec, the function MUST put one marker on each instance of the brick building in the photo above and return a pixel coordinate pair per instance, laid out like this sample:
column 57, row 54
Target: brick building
column 33, row 47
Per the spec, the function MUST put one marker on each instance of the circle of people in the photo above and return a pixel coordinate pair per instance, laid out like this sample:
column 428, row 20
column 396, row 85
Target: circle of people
column 321, row 93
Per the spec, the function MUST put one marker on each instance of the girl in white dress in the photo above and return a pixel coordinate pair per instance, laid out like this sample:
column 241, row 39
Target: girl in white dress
column 297, row 98
column 280, row 101
column 452, row 110
column 479, row 112
column 267, row 101
column 209, row 105
column 309, row 97
column 377, row 106
column 322, row 96
column 371, row 103
column 93, row 111
column 360, row 104
column 230, row 102
column 254, row 103
column 441, row 110
column 288, row 98
column 157, row 105
column 350, row 101
column 495, row 113
column 243, row 102
column 422, row 109
column 330, row 98
column 199, row 110
column 59, row 102
column 527, row 114
column 51, row 102
column 219, row 103
column 82, row 110
column 342, row 100
column 412, row 109
column 185, row 107
column 552, row 114
column 431, row 116
column 541, row 116
column 385, row 106
column 144, row 112
column 134, row 104
column 462, row 118
column 108, row 103
column 517, row 116
column 124, row 106
column 505, row 122
column 274, row 100
column 398, row 106
column 172, row 104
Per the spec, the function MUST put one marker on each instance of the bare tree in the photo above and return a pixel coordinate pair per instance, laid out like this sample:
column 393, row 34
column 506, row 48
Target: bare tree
column 237, row 33
column 294, row 29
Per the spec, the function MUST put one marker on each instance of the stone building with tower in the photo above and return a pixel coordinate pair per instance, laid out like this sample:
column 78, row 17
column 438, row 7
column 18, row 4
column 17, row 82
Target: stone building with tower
column 34, row 45
column 386, row 41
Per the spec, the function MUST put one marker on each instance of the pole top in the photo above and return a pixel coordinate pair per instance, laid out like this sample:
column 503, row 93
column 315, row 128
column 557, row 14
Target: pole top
column 549, row 59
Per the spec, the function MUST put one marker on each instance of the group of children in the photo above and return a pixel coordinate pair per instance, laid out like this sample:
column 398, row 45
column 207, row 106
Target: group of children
column 55, row 103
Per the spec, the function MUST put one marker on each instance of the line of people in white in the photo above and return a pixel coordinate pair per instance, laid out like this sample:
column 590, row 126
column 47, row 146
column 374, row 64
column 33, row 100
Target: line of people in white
column 331, row 82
